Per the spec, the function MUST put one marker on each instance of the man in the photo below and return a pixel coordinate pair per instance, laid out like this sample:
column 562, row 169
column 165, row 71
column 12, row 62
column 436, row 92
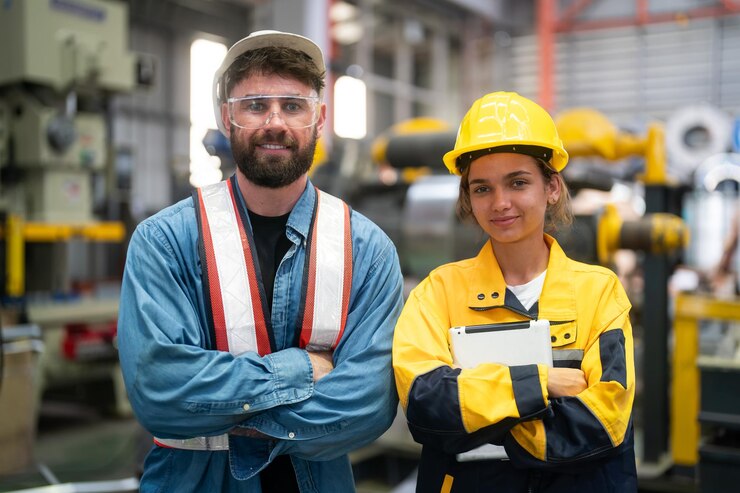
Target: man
column 256, row 318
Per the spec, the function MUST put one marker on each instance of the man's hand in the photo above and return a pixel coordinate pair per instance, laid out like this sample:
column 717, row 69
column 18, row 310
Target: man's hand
column 565, row 382
column 322, row 362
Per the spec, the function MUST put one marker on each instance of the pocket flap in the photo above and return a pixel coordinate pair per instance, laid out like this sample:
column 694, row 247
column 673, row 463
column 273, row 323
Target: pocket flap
column 563, row 333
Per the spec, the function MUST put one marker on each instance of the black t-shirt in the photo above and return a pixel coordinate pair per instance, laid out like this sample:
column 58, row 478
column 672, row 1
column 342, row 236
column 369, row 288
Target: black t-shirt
column 272, row 244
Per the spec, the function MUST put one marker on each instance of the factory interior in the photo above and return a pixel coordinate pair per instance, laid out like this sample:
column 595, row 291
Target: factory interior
column 106, row 118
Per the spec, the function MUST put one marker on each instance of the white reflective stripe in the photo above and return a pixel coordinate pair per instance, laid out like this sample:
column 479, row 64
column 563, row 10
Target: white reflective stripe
column 329, row 235
column 567, row 354
column 220, row 442
column 232, row 271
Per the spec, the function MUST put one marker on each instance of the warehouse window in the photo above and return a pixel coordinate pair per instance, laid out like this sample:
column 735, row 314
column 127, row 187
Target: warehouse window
column 350, row 108
column 205, row 57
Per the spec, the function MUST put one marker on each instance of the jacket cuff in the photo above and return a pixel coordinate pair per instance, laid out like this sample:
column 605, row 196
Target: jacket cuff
column 527, row 387
column 293, row 375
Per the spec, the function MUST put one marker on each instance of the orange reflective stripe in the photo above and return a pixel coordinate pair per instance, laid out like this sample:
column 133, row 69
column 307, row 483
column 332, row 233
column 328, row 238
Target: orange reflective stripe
column 347, row 284
column 214, row 287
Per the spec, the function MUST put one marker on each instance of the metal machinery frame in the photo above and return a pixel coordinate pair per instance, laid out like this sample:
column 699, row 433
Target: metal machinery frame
column 686, row 386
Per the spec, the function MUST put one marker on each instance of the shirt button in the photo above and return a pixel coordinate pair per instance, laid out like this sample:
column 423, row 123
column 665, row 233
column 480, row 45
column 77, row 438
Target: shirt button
column 481, row 296
column 245, row 407
column 291, row 435
column 494, row 295
column 553, row 338
column 567, row 336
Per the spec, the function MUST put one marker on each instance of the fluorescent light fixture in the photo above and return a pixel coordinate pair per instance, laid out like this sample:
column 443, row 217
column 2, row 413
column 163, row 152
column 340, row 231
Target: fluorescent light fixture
column 350, row 108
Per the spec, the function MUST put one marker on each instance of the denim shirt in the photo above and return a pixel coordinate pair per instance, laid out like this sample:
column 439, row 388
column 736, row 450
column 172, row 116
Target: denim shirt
column 180, row 387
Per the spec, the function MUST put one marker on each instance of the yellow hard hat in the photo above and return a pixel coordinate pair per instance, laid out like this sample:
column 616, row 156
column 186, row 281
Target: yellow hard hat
column 507, row 120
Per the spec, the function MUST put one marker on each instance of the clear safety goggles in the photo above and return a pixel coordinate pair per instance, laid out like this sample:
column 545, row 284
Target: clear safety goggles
column 254, row 112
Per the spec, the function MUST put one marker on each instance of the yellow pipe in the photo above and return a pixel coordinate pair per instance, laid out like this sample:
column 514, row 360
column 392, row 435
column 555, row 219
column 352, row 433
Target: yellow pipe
column 627, row 145
column 655, row 157
column 607, row 234
column 107, row 231
column 668, row 233
column 15, row 260
column 110, row 231
column 685, row 391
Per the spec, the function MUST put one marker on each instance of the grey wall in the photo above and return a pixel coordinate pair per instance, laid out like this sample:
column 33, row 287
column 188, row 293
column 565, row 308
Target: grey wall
column 636, row 74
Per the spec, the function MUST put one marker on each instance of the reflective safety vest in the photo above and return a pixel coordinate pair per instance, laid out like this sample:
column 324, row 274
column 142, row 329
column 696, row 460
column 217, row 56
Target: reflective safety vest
column 237, row 302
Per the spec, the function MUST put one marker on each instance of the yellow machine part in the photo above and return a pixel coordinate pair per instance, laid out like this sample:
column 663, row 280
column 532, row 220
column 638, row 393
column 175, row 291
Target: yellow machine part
column 657, row 233
column 587, row 132
column 607, row 234
column 406, row 127
column 669, row 233
column 111, row 231
column 15, row 259
column 17, row 233
column 320, row 155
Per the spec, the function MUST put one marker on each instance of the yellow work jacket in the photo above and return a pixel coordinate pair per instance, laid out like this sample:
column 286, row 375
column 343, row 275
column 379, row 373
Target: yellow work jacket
column 450, row 410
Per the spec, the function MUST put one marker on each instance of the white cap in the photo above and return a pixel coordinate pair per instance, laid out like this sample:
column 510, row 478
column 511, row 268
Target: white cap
column 261, row 39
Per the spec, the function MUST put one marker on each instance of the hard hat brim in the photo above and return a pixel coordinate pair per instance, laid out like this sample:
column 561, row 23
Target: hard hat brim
column 558, row 162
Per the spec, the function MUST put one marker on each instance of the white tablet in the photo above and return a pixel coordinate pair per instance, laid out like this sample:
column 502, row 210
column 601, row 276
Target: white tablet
column 511, row 344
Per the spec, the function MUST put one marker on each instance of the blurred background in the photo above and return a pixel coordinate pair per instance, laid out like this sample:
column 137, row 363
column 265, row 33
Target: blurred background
column 106, row 117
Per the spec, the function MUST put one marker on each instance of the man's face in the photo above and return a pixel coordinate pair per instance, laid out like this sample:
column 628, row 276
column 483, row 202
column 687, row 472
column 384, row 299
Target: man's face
column 274, row 155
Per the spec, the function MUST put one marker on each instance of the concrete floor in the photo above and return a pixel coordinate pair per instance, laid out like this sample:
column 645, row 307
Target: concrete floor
column 75, row 443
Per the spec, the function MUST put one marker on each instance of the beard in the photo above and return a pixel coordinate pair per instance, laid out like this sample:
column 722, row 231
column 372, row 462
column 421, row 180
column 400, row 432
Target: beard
column 272, row 171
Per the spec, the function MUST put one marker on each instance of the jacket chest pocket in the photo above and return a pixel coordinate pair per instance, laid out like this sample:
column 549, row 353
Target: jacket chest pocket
column 566, row 352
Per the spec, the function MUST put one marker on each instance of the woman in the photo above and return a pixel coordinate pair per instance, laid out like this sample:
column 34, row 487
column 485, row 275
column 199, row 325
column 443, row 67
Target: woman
column 566, row 428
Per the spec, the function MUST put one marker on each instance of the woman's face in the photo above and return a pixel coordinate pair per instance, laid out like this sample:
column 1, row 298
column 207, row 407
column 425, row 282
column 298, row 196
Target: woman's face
column 509, row 196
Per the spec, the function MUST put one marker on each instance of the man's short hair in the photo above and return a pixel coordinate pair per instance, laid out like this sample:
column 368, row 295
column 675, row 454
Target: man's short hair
column 275, row 60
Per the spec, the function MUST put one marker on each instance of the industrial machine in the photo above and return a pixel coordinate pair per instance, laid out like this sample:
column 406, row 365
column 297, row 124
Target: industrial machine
column 61, row 63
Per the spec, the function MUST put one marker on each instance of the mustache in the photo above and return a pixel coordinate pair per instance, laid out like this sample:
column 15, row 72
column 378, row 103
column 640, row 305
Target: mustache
column 283, row 140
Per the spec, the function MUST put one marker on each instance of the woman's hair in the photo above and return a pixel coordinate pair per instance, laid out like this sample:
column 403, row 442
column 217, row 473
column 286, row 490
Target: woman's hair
column 557, row 215
column 278, row 60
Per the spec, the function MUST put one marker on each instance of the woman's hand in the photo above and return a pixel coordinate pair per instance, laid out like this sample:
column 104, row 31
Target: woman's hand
column 565, row 382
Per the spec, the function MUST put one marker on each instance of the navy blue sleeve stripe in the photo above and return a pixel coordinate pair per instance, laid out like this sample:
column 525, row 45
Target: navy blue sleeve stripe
column 567, row 363
column 613, row 359
column 573, row 431
column 525, row 381
column 575, row 440
column 434, row 402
